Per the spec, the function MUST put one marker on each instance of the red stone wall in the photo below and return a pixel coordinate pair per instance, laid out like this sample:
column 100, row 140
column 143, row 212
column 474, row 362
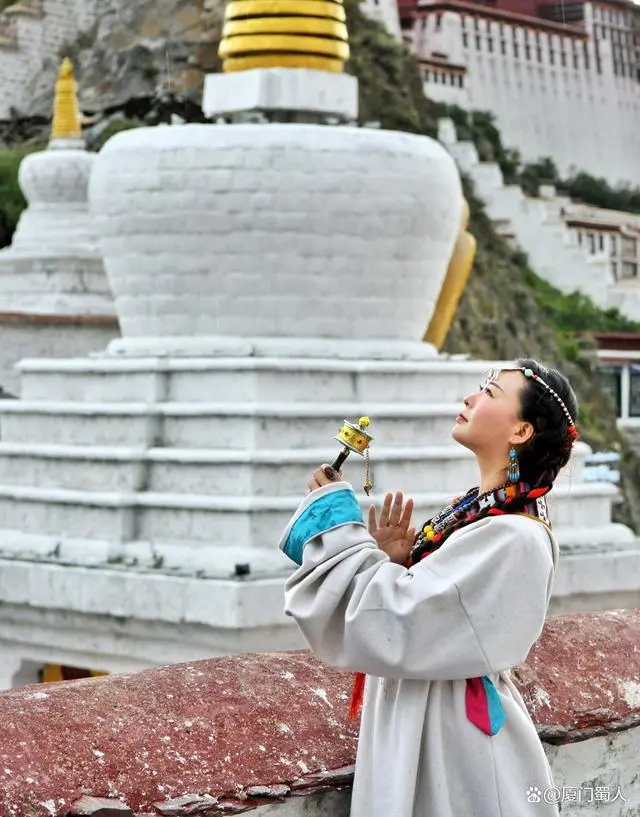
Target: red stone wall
column 226, row 735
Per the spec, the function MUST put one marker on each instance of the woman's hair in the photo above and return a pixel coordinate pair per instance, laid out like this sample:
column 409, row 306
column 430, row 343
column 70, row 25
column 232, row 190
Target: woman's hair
column 549, row 449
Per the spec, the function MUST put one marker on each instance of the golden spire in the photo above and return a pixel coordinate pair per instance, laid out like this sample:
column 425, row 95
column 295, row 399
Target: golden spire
column 284, row 34
column 66, row 114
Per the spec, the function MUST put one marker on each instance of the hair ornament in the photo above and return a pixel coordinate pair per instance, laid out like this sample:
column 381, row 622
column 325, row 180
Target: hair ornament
column 572, row 431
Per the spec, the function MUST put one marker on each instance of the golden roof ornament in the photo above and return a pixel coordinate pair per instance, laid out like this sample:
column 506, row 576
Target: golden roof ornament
column 284, row 34
column 66, row 113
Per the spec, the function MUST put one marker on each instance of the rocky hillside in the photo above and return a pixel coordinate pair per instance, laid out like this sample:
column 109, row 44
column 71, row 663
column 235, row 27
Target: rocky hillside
column 137, row 50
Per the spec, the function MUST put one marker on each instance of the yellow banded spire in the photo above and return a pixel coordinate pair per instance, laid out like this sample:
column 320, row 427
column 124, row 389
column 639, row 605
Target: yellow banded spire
column 284, row 34
column 66, row 113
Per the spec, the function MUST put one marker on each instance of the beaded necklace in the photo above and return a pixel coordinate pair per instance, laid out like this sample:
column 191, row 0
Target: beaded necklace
column 463, row 510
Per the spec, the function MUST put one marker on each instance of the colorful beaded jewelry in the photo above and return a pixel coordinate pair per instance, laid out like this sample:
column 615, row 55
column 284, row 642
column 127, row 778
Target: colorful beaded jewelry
column 434, row 529
column 466, row 509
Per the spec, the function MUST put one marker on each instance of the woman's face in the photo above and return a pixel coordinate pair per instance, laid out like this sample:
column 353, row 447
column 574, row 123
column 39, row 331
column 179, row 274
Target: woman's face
column 489, row 422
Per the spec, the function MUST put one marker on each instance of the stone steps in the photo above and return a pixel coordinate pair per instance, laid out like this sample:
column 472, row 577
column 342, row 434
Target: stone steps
column 244, row 473
column 167, row 557
column 216, row 425
column 121, row 380
column 220, row 521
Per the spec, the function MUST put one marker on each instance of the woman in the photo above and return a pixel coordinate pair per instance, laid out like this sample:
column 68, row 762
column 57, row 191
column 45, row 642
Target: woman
column 444, row 731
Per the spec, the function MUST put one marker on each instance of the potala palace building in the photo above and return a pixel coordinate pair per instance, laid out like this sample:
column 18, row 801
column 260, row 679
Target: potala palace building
column 563, row 79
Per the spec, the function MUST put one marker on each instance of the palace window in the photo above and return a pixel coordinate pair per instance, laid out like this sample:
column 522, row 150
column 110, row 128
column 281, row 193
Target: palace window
column 601, row 242
column 634, row 392
column 610, row 381
column 629, row 246
column 629, row 270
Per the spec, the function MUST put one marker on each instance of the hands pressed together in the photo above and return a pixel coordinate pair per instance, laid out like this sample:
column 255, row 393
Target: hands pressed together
column 391, row 532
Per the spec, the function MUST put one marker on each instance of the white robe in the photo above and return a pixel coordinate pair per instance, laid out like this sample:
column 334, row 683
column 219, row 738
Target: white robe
column 474, row 607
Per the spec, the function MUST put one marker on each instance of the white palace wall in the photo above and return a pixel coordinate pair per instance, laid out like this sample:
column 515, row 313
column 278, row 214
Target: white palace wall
column 545, row 89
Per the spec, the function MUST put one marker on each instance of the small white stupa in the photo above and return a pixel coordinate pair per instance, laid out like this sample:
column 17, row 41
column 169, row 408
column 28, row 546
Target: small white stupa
column 54, row 295
column 271, row 279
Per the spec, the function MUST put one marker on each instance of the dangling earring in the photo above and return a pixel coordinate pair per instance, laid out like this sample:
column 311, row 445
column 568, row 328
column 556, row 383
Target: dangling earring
column 513, row 469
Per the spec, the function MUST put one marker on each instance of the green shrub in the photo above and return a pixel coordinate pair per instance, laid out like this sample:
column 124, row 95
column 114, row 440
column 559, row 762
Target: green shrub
column 12, row 201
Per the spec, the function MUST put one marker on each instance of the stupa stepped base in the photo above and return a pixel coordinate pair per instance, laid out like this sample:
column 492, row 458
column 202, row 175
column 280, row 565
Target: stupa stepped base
column 202, row 521
column 124, row 618
column 45, row 284
column 257, row 473
column 236, row 426
column 299, row 378
column 148, row 471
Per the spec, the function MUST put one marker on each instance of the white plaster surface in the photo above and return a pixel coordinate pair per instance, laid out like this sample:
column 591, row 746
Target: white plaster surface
column 123, row 461
column 24, row 338
column 281, row 89
column 57, row 220
column 278, row 230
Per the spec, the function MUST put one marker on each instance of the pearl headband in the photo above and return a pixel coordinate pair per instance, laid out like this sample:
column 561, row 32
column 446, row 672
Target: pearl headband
column 531, row 375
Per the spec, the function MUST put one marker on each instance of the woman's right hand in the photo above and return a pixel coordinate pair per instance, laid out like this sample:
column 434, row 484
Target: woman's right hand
column 393, row 534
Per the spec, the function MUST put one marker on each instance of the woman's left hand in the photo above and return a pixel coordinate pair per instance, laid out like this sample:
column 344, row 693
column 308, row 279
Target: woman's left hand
column 323, row 476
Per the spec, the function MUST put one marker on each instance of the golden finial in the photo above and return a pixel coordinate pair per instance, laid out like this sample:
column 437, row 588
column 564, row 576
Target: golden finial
column 284, row 34
column 66, row 114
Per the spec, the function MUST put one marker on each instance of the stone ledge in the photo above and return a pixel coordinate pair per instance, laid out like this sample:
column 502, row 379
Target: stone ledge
column 308, row 347
column 105, row 364
column 237, row 733
column 578, row 692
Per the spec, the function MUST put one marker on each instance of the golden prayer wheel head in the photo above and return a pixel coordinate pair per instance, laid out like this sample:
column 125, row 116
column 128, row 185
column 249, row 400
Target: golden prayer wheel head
column 284, row 34
column 354, row 436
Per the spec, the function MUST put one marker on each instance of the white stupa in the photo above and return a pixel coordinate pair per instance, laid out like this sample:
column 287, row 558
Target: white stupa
column 54, row 295
column 271, row 279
